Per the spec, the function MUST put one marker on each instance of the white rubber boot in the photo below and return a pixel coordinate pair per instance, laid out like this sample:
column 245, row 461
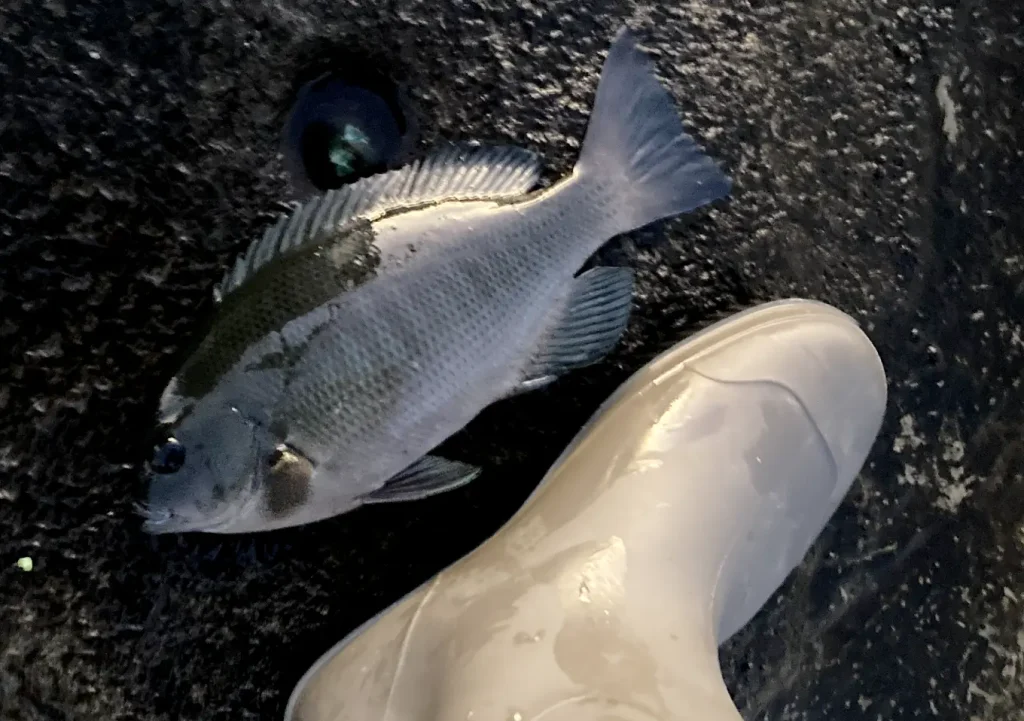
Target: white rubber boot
column 663, row 528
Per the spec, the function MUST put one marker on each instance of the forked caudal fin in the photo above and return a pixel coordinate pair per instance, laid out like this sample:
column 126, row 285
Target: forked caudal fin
column 636, row 134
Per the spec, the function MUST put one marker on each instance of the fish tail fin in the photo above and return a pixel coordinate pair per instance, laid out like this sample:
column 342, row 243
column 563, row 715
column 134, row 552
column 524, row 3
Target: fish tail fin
column 636, row 139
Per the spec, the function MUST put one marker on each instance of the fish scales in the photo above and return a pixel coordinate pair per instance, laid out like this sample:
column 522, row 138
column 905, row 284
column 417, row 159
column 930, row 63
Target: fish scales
column 420, row 334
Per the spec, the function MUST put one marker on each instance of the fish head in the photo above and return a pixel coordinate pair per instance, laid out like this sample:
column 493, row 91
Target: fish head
column 207, row 470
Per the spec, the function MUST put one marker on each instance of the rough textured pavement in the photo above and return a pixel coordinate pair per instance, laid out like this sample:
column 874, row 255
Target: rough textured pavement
column 876, row 147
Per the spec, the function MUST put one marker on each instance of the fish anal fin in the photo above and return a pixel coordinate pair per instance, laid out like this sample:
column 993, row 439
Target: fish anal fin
column 594, row 317
column 426, row 477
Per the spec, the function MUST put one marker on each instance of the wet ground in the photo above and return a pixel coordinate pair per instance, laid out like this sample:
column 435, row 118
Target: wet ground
column 877, row 152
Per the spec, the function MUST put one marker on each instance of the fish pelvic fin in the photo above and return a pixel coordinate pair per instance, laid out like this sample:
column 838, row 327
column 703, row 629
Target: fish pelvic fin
column 592, row 321
column 457, row 172
column 635, row 139
column 428, row 476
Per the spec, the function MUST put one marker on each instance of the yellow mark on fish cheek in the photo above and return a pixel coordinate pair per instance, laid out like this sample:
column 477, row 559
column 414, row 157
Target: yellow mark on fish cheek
column 287, row 482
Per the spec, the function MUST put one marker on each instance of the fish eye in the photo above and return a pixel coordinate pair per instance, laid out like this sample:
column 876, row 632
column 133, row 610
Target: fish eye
column 168, row 457
column 340, row 130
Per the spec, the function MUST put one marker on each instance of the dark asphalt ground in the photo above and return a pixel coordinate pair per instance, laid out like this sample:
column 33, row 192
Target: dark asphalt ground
column 877, row 151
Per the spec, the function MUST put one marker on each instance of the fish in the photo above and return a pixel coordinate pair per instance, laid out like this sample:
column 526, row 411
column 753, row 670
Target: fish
column 378, row 319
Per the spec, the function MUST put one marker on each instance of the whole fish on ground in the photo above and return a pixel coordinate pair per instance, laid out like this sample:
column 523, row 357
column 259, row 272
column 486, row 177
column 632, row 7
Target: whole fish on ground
column 377, row 320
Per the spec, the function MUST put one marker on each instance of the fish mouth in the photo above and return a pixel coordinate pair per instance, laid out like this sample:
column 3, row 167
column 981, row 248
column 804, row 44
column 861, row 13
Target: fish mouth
column 157, row 521
column 161, row 520
column 154, row 518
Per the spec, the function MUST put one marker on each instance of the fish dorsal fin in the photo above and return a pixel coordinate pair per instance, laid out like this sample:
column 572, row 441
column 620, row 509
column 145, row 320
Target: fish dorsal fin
column 456, row 173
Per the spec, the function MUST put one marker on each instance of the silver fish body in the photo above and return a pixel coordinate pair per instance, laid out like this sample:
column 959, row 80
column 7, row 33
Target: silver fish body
column 379, row 319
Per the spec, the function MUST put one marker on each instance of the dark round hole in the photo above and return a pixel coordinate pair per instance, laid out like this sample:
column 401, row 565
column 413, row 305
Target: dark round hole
column 168, row 457
column 340, row 130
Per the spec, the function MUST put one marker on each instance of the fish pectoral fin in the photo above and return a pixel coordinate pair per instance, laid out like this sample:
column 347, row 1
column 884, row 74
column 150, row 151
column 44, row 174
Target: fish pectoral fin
column 594, row 317
column 426, row 477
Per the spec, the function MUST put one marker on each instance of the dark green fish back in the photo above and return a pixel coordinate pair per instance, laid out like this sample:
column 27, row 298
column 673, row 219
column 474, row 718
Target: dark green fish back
column 287, row 287
column 302, row 262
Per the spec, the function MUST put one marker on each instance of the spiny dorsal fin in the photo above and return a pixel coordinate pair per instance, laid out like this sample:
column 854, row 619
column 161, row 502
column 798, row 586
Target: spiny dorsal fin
column 455, row 173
